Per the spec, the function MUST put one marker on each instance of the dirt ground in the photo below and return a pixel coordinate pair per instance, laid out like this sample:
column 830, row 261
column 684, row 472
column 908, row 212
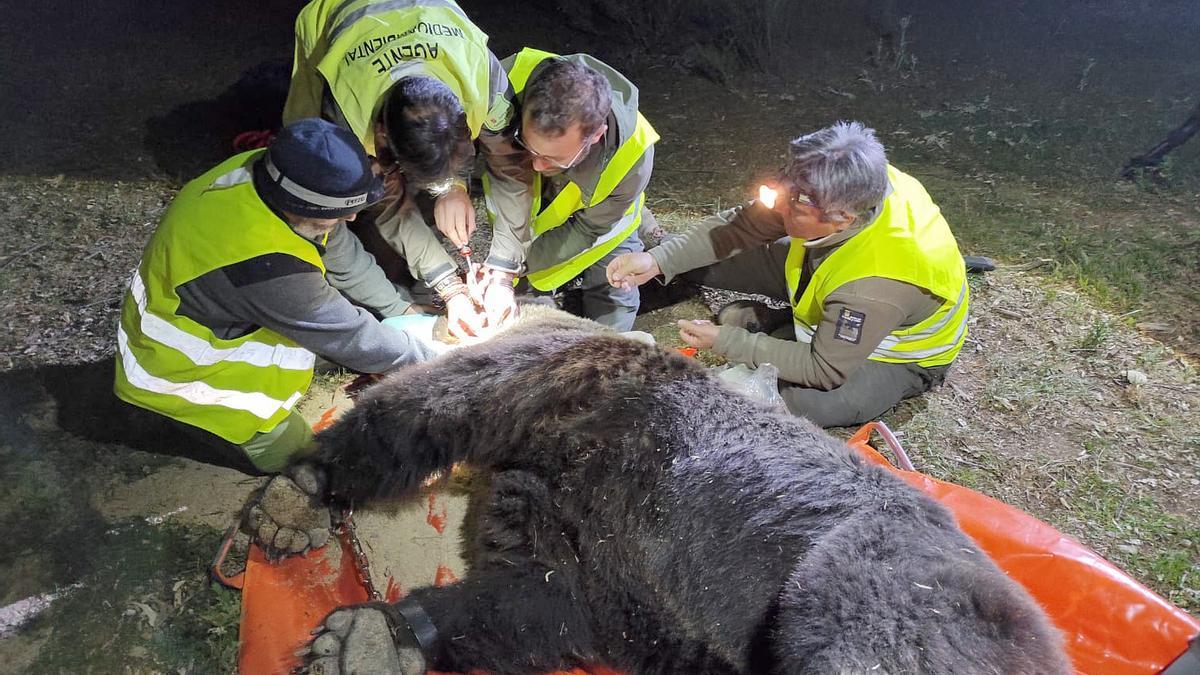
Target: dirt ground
column 1075, row 398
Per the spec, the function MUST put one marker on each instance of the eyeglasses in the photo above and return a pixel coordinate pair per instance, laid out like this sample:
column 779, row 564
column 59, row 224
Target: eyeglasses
column 797, row 199
column 574, row 160
column 800, row 199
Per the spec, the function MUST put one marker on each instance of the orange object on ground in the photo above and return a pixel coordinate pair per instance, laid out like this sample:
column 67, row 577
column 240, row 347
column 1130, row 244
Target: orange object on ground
column 1112, row 623
column 283, row 601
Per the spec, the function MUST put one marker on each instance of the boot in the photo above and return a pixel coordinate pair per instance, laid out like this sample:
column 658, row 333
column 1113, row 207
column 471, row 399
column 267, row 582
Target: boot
column 753, row 316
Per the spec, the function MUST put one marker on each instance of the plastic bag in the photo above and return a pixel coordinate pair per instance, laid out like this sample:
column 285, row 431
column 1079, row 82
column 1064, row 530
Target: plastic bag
column 639, row 335
column 760, row 384
column 419, row 326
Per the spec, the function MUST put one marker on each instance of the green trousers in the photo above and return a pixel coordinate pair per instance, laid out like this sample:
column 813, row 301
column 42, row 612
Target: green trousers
column 270, row 452
column 871, row 390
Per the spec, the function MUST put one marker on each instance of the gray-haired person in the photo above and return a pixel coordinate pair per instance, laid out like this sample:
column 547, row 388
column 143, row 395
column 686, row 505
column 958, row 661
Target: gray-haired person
column 872, row 273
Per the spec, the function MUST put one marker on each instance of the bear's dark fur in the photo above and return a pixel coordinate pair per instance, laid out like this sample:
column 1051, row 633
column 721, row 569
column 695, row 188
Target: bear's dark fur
column 645, row 517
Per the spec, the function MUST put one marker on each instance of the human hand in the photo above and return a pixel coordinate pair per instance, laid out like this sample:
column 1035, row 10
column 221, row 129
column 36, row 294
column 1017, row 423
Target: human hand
column 454, row 215
column 499, row 300
column 632, row 269
column 478, row 276
column 700, row 334
column 464, row 320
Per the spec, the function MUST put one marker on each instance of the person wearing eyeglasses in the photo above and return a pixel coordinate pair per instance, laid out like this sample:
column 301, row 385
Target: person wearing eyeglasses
column 872, row 273
column 586, row 155
column 417, row 84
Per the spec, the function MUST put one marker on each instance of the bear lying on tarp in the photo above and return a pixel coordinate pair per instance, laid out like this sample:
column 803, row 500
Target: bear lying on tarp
column 645, row 517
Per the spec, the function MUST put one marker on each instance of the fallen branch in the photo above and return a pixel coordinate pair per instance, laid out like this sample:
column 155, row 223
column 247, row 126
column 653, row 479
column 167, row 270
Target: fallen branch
column 1150, row 164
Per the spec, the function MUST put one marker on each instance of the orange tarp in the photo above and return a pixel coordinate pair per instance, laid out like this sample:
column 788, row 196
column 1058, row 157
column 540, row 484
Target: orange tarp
column 1112, row 623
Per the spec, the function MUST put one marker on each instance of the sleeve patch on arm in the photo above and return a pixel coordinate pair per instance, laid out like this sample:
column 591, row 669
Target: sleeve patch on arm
column 849, row 326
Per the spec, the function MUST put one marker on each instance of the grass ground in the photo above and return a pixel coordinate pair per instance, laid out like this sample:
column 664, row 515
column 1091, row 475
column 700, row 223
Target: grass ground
column 1018, row 148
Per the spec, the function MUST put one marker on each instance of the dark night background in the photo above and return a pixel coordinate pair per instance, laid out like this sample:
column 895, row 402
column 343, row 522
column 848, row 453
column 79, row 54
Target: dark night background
column 1017, row 115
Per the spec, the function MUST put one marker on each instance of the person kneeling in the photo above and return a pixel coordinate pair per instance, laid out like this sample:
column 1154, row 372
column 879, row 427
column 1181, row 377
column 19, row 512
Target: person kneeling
column 858, row 249
column 238, row 289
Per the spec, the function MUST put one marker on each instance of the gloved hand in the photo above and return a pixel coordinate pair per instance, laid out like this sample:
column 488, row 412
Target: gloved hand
column 499, row 302
column 289, row 515
column 464, row 321
column 454, row 215
column 492, row 289
column 632, row 269
column 360, row 639
column 477, row 281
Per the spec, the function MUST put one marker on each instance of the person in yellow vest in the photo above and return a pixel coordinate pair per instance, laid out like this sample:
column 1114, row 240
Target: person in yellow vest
column 874, row 277
column 238, row 289
column 416, row 83
column 587, row 154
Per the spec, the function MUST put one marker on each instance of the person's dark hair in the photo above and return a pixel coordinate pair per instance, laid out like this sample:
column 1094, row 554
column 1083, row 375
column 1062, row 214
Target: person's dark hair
column 426, row 129
column 564, row 93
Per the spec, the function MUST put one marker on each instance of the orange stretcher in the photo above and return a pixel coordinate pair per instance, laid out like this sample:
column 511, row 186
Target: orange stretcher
column 1112, row 623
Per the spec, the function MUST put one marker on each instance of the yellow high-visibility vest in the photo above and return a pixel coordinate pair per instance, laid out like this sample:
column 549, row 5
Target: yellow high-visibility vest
column 909, row 241
column 570, row 198
column 177, row 367
column 361, row 47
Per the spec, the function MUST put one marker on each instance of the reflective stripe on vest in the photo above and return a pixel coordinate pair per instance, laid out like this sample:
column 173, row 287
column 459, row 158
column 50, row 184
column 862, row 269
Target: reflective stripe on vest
column 259, row 405
column 893, row 348
column 343, row 19
column 203, row 353
column 177, row 367
column 372, row 43
column 569, row 199
column 553, row 277
column 909, row 241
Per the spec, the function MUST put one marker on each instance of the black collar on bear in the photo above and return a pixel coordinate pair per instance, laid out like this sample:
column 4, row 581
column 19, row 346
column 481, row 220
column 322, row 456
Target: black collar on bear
column 420, row 624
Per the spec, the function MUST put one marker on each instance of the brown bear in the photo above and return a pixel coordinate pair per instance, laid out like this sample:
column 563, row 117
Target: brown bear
column 644, row 516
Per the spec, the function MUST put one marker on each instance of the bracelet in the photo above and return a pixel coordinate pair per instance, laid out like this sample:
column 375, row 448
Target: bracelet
column 450, row 286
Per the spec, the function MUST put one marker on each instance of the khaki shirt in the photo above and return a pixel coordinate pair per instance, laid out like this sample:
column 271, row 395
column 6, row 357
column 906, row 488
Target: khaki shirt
column 513, row 245
column 886, row 304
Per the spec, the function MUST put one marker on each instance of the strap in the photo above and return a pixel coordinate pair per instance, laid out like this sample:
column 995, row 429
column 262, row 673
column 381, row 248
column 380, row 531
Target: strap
column 419, row 624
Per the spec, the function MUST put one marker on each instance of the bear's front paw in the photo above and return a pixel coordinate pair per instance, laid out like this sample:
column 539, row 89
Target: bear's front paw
column 360, row 640
column 289, row 517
